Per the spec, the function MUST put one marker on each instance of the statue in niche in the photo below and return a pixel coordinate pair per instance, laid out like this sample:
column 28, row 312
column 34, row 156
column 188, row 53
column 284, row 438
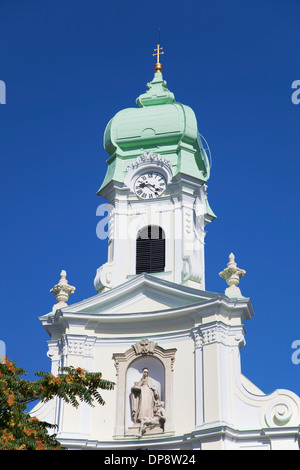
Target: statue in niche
column 146, row 407
column 157, row 420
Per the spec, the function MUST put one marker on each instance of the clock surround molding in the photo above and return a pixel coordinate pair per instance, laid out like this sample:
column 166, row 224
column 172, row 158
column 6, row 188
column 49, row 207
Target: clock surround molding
column 147, row 162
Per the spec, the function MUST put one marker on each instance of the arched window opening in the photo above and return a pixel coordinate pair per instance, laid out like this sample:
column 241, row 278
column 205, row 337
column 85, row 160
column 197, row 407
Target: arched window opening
column 150, row 250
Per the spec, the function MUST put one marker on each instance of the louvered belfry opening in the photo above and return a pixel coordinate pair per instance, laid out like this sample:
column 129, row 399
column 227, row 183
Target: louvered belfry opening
column 150, row 250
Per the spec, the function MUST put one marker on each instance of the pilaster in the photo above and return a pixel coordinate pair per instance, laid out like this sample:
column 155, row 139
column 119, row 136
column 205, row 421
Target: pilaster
column 76, row 351
column 215, row 343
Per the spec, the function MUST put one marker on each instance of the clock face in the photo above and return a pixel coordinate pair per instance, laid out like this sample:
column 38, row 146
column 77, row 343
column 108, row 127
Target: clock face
column 150, row 185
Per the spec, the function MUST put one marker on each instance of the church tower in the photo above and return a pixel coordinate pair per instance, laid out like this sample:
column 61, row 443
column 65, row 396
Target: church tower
column 156, row 188
column 171, row 346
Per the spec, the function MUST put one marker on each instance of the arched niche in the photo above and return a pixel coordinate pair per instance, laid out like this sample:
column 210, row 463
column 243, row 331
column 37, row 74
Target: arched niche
column 129, row 366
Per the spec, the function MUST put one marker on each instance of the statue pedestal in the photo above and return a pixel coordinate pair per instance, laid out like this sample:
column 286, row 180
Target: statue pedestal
column 134, row 431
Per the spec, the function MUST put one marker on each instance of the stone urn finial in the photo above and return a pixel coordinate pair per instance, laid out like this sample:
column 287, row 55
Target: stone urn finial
column 232, row 275
column 62, row 291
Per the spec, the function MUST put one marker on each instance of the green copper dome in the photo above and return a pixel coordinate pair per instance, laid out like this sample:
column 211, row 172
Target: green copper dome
column 161, row 125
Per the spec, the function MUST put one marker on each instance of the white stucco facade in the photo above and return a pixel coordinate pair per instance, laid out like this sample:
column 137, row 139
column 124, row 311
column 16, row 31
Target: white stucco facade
column 213, row 405
column 188, row 340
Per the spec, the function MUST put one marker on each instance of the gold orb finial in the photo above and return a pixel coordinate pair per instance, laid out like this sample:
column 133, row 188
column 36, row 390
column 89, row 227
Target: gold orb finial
column 158, row 67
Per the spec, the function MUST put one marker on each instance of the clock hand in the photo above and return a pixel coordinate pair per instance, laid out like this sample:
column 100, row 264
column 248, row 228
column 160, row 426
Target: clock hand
column 143, row 185
column 156, row 190
column 150, row 188
column 149, row 184
column 153, row 186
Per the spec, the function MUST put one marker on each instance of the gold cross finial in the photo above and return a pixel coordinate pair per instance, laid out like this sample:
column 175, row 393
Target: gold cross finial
column 157, row 52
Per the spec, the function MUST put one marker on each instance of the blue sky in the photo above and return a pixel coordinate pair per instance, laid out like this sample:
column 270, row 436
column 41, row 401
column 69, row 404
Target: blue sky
column 69, row 66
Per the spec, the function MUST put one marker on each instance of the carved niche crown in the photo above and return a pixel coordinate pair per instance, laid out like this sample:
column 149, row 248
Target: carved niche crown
column 145, row 348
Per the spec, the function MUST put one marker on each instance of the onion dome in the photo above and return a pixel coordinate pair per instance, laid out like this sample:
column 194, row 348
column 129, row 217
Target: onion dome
column 158, row 124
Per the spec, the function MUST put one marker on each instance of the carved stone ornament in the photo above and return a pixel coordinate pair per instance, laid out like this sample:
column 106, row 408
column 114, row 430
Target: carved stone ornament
column 104, row 276
column 144, row 347
column 207, row 336
column 79, row 348
column 232, row 275
column 220, row 333
column 62, row 291
column 147, row 158
column 283, row 410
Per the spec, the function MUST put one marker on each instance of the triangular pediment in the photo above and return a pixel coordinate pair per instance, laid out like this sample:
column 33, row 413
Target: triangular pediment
column 144, row 293
column 142, row 304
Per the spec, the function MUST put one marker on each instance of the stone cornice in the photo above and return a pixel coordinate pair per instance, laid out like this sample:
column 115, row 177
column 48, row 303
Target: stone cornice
column 259, row 437
column 232, row 312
